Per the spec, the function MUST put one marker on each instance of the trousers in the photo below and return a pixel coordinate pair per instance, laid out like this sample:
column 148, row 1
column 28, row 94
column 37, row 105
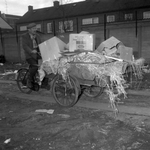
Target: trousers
column 32, row 68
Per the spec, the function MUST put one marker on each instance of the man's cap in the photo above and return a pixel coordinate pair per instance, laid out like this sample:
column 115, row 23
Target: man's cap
column 31, row 25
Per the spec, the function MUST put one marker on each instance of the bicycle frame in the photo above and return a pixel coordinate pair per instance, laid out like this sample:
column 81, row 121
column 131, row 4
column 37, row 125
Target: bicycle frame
column 23, row 77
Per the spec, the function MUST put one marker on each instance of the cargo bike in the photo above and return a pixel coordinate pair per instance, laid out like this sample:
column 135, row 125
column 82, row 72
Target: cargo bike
column 66, row 91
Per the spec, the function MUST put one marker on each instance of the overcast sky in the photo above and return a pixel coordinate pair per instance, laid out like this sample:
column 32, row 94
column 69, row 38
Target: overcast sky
column 20, row 7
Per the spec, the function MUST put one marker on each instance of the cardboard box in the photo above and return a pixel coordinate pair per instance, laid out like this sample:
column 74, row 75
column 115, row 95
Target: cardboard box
column 109, row 44
column 126, row 53
column 81, row 42
column 51, row 48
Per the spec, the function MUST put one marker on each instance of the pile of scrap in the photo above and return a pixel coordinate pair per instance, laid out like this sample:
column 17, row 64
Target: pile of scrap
column 81, row 60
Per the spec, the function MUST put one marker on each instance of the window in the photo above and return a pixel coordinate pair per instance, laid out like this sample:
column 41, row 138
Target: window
column 146, row 15
column 38, row 26
column 94, row 20
column 87, row 21
column 111, row 18
column 128, row 16
column 65, row 26
column 23, row 28
column 61, row 27
column 49, row 27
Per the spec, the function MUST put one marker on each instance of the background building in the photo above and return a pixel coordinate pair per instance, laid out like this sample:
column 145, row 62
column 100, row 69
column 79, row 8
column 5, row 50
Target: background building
column 127, row 20
column 8, row 36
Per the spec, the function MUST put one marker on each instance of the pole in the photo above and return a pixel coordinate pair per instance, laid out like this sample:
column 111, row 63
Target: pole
column 2, row 41
column 16, row 34
column 104, row 26
column 136, row 24
column 54, row 29
column 18, row 46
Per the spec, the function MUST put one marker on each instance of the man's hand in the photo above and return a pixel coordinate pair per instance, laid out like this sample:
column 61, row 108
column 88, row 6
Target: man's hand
column 34, row 51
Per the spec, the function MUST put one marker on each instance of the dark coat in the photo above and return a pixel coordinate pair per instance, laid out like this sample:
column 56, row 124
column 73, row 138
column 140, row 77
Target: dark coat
column 27, row 45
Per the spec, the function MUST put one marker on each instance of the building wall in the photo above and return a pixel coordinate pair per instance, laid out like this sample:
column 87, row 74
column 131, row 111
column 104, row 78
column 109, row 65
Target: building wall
column 1, row 48
column 10, row 48
column 126, row 33
column 145, row 37
column 137, row 38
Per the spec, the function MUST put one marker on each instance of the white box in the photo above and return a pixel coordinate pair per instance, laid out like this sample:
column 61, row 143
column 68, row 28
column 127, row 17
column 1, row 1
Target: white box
column 51, row 48
column 81, row 42
column 109, row 43
column 126, row 53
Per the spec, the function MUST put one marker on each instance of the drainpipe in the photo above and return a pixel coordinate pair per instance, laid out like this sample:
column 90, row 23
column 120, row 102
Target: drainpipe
column 17, row 40
column 54, row 30
column 104, row 26
column 16, row 34
column 136, row 24
column 77, row 25
column 3, row 51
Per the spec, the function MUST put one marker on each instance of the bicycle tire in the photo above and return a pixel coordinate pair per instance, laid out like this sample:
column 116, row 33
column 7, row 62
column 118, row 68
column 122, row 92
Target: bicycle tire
column 21, row 80
column 93, row 91
column 65, row 92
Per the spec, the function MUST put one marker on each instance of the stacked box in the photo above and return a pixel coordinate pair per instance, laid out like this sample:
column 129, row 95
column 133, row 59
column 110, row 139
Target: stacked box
column 81, row 42
column 50, row 49
column 110, row 44
column 126, row 53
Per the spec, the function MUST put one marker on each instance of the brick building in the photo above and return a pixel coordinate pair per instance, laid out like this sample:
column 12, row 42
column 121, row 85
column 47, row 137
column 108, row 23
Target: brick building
column 127, row 20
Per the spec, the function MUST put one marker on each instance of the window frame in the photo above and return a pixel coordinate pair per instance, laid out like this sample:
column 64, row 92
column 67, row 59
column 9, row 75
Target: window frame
column 66, row 26
column 146, row 16
column 23, row 28
column 49, row 29
column 128, row 16
column 90, row 21
column 39, row 27
column 110, row 18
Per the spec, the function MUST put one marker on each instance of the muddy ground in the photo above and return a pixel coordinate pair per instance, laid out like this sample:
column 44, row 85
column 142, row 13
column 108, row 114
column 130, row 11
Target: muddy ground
column 24, row 127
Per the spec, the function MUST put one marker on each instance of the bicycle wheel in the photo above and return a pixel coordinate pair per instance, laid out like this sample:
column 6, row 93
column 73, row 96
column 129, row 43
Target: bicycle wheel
column 65, row 92
column 21, row 80
column 93, row 91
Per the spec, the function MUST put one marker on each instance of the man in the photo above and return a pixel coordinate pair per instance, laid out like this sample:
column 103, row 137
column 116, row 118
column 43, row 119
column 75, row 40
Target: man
column 30, row 41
